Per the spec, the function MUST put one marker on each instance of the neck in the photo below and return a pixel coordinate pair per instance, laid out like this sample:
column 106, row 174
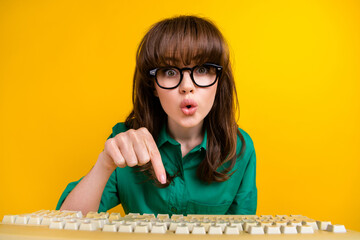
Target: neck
column 187, row 137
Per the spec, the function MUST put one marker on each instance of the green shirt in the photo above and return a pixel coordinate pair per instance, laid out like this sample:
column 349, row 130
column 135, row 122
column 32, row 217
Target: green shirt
column 187, row 194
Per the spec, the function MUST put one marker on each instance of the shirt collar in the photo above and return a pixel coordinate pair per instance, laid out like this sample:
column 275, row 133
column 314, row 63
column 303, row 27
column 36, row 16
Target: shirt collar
column 165, row 137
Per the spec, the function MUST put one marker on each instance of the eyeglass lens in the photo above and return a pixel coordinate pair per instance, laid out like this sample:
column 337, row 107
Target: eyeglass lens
column 170, row 77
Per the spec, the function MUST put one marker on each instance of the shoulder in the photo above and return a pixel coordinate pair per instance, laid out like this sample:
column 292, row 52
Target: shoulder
column 244, row 138
column 118, row 128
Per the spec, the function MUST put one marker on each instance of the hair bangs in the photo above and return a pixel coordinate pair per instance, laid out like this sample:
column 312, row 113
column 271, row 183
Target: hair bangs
column 184, row 41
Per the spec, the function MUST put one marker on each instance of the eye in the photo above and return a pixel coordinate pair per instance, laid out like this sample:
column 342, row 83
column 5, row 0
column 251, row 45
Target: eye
column 202, row 70
column 170, row 73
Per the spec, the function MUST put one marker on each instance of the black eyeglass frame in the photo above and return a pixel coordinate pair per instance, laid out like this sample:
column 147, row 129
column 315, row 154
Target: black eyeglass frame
column 218, row 68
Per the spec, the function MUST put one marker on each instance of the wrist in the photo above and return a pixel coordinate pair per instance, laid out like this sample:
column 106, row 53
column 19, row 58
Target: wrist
column 105, row 163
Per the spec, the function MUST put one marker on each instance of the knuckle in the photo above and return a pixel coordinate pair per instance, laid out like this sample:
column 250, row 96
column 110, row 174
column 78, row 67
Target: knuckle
column 153, row 153
column 144, row 130
column 144, row 160
column 131, row 131
column 120, row 163
column 108, row 143
column 131, row 163
column 133, row 135
column 120, row 138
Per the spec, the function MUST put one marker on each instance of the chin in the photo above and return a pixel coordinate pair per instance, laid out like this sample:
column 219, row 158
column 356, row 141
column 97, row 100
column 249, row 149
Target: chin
column 189, row 122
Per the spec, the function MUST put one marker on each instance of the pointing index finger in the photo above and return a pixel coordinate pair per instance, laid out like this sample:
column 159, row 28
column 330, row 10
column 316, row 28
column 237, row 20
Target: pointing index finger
column 155, row 159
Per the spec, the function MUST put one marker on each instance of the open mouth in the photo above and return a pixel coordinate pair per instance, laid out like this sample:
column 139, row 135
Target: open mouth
column 188, row 106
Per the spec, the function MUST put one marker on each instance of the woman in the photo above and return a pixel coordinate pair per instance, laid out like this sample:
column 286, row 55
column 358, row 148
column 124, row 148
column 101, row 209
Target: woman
column 180, row 150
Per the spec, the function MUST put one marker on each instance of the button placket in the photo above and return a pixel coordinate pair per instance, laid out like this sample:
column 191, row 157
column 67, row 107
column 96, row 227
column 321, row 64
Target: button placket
column 177, row 186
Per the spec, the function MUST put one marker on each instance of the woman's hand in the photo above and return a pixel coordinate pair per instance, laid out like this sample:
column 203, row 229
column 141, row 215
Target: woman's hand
column 132, row 148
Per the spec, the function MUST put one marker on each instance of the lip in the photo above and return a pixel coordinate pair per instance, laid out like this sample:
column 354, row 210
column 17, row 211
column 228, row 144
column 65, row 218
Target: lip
column 188, row 110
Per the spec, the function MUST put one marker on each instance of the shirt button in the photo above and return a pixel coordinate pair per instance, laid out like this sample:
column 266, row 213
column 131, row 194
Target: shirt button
column 173, row 209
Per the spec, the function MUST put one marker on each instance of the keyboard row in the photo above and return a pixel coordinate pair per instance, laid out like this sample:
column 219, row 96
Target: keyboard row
column 178, row 224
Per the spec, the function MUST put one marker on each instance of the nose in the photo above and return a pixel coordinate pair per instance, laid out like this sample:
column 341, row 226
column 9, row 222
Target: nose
column 186, row 85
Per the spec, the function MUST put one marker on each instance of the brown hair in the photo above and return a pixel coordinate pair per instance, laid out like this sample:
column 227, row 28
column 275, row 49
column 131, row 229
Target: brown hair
column 186, row 39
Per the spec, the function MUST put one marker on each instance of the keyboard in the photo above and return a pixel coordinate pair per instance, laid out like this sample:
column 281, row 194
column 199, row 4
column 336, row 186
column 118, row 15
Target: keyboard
column 55, row 224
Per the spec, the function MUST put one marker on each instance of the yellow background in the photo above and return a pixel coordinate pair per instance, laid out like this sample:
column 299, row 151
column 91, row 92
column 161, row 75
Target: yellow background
column 66, row 72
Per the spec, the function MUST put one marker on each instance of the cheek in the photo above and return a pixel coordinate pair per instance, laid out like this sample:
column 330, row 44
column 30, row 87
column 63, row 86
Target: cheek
column 210, row 96
column 166, row 100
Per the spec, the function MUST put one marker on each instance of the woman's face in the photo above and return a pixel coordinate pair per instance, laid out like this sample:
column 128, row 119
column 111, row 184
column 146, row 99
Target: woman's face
column 186, row 105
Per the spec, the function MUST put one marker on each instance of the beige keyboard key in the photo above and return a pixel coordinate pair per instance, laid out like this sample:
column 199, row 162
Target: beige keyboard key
column 9, row 219
column 164, row 224
column 207, row 225
column 281, row 223
column 173, row 225
column 149, row 215
column 141, row 229
column 222, row 224
column 132, row 215
column 232, row 230
column 191, row 225
column 41, row 212
column 251, row 217
column 272, row 229
column 276, row 219
column 256, row 230
column 304, row 229
column 163, row 216
column 322, row 225
column 22, row 219
column 91, row 214
column 294, row 223
column 99, row 222
column 175, row 217
column 266, row 223
column 35, row 220
column 215, row 230
column 102, row 215
column 110, row 227
column 125, row 228
column 158, row 228
column 237, row 224
column 87, row 226
column 182, row 229
column 132, row 223
column 311, row 222
column 146, row 223
column 47, row 220
column 118, row 222
column 288, row 229
column 167, row 222
column 198, row 230
column 72, row 224
column 73, row 214
column 114, row 216
column 336, row 228
column 57, row 224
column 247, row 226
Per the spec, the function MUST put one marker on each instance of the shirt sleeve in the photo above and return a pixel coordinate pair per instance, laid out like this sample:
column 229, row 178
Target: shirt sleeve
column 110, row 196
column 66, row 192
column 245, row 202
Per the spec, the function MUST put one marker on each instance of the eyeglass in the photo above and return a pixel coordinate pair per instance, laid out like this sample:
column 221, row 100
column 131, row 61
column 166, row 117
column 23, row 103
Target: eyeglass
column 170, row 77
